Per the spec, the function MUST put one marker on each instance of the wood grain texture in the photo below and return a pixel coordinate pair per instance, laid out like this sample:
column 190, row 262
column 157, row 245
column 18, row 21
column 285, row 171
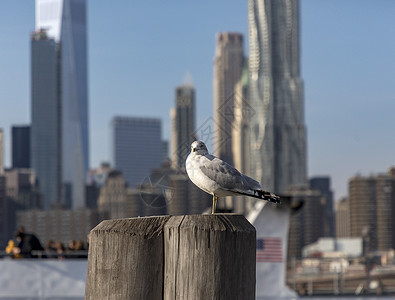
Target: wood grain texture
column 209, row 257
column 125, row 259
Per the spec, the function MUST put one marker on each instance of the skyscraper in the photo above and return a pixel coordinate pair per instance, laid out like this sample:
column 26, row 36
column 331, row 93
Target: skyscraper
column 45, row 116
column 241, row 137
column 362, row 204
column 372, row 210
column 1, row 152
column 183, row 124
column 228, row 68
column 278, row 134
column 323, row 184
column 21, row 146
column 305, row 225
column 65, row 24
column 137, row 147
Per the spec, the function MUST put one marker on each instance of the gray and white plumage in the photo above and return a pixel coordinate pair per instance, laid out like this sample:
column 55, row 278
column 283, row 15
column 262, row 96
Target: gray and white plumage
column 220, row 179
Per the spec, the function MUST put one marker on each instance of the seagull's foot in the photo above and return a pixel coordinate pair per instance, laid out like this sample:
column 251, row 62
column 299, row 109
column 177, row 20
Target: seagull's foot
column 215, row 199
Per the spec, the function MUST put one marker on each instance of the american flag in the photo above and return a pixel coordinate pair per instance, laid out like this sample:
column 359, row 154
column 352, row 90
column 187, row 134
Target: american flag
column 269, row 249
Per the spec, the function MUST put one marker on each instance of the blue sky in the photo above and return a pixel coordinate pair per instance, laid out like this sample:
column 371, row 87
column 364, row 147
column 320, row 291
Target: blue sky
column 139, row 51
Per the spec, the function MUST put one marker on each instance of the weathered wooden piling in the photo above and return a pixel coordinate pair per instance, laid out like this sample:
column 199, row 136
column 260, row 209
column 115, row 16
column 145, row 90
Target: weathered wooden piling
column 209, row 257
column 179, row 257
column 125, row 259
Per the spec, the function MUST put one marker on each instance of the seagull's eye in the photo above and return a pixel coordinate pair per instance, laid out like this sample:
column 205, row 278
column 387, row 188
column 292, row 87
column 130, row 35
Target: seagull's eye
column 193, row 149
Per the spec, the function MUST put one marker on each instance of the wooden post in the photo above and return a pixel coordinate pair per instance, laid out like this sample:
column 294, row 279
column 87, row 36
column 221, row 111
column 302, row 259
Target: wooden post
column 125, row 259
column 179, row 257
column 209, row 257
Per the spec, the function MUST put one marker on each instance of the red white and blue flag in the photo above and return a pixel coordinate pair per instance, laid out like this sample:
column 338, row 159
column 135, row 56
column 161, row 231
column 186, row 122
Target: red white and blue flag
column 269, row 249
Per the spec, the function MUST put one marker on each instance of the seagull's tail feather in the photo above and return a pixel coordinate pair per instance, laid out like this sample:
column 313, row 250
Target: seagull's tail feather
column 261, row 194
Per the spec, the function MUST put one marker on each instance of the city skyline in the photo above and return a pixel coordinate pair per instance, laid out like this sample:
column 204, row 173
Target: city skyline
column 344, row 63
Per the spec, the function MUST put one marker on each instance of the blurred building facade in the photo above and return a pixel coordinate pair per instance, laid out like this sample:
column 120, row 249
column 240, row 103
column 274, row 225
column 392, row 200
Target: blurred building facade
column 323, row 184
column 228, row 68
column 45, row 115
column 278, row 133
column 21, row 193
column 136, row 147
column 20, row 146
column 306, row 224
column 372, row 210
column 1, row 151
column 343, row 218
column 60, row 224
column 5, row 227
column 59, row 85
column 112, row 196
column 242, row 114
column 183, row 124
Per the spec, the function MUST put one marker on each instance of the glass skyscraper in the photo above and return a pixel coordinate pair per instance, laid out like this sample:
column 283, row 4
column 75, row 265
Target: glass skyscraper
column 137, row 148
column 278, row 133
column 64, row 23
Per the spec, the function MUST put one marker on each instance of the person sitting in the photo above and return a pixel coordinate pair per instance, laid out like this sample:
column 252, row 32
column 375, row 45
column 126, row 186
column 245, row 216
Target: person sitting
column 27, row 243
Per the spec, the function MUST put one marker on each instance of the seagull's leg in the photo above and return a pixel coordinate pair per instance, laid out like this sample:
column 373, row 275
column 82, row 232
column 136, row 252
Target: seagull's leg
column 215, row 199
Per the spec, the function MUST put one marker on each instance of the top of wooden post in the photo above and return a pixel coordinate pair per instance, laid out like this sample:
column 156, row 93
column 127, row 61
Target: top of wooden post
column 221, row 222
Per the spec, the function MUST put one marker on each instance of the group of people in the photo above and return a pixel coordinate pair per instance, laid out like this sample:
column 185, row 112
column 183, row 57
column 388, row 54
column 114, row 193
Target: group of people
column 75, row 249
column 27, row 245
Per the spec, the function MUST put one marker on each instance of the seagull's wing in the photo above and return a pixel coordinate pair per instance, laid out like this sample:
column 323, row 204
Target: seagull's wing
column 230, row 179
column 226, row 176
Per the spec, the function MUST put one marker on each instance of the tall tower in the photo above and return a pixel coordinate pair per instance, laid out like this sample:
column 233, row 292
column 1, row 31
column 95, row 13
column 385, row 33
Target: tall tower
column 183, row 124
column 65, row 23
column 45, row 117
column 228, row 68
column 278, row 134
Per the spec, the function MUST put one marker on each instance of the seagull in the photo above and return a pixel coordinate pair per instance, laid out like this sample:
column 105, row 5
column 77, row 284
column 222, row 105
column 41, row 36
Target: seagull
column 218, row 178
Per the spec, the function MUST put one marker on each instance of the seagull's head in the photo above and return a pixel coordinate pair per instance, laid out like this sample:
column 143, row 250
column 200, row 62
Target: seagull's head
column 198, row 147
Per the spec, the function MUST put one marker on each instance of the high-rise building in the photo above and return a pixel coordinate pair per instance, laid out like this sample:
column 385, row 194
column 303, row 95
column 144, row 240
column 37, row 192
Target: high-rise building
column 165, row 150
column 1, row 152
column 278, row 134
column 64, row 22
column 372, row 210
column 137, row 147
column 323, row 184
column 183, row 124
column 363, row 216
column 241, row 137
column 4, row 221
column 342, row 218
column 45, row 116
column 21, row 146
column 228, row 68
column 305, row 225
column 385, row 206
